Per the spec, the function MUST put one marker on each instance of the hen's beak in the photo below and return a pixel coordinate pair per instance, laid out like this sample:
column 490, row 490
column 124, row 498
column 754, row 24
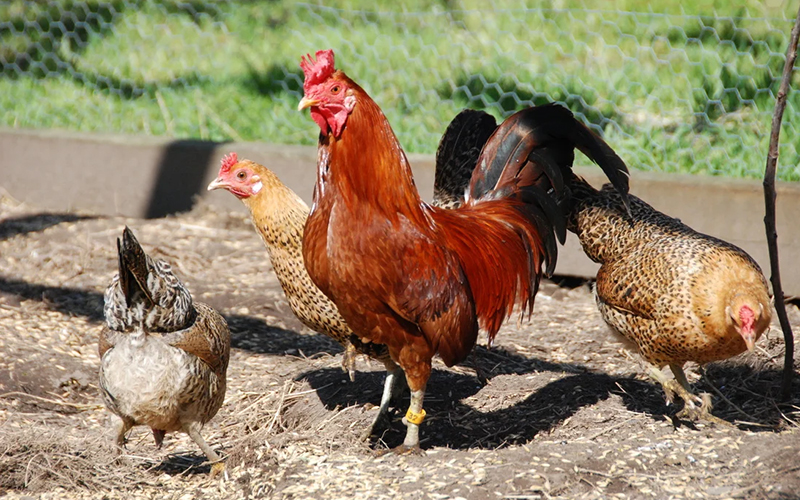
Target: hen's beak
column 305, row 102
column 217, row 183
column 750, row 340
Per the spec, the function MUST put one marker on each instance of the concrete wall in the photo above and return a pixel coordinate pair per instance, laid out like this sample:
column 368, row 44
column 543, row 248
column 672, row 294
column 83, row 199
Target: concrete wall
column 152, row 176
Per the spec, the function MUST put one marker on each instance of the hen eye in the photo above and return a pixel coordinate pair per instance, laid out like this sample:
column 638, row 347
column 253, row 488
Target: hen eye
column 241, row 175
column 335, row 89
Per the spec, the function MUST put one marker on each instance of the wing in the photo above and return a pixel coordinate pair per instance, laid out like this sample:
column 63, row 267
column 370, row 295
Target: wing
column 208, row 338
column 619, row 285
column 108, row 339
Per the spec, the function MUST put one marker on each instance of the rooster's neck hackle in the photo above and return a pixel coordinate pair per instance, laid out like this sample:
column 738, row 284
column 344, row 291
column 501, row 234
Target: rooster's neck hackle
column 367, row 164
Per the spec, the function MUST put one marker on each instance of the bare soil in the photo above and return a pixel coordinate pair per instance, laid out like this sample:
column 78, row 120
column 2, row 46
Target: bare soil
column 566, row 413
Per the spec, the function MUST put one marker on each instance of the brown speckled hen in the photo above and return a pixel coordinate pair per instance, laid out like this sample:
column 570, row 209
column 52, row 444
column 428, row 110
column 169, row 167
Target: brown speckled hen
column 163, row 357
column 677, row 294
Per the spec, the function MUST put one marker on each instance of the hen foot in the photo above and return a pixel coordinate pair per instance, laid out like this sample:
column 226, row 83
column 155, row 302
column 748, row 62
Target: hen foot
column 394, row 387
column 349, row 361
column 217, row 469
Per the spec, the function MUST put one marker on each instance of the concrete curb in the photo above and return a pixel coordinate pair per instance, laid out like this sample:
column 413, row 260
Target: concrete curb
column 154, row 176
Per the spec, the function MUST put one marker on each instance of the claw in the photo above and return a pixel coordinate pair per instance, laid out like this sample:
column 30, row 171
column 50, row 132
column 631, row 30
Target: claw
column 217, row 469
column 402, row 450
column 694, row 413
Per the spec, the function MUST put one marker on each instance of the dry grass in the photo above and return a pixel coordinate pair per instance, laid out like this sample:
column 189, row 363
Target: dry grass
column 566, row 413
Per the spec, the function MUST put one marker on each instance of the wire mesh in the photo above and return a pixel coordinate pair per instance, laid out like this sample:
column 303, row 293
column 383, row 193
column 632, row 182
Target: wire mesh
column 676, row 92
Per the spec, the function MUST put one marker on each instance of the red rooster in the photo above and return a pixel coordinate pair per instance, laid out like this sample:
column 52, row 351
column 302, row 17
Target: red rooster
column 421, row 279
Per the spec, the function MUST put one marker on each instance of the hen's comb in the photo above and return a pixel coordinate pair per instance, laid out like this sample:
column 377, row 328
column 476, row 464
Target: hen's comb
column 227, row 162
column 747, row 317
column 317, row 71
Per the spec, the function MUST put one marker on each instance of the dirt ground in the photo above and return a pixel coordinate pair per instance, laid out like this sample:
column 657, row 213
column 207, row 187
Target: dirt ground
column 566, row 413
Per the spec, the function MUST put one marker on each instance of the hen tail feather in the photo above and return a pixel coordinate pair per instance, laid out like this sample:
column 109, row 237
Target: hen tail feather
column 133, row 268
column 458, row 154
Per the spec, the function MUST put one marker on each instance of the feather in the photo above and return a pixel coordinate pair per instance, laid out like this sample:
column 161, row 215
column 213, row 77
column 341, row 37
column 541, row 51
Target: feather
column 522, row 137
column 458, row 154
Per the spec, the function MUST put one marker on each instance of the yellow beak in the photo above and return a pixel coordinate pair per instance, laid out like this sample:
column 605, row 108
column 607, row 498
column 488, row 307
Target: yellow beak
column 217, row 183
column 305, row 102
column 750, row 341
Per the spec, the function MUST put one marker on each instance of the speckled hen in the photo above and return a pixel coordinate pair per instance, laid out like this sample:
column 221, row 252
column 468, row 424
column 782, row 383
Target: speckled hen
column 163, row 357
column 677, row 294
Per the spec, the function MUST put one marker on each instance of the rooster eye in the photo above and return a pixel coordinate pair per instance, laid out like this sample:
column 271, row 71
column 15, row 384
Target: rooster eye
column 241, row 175
column 335, row 89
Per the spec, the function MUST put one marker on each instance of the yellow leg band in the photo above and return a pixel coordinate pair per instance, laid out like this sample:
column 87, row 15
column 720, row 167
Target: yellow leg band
column 415, row 418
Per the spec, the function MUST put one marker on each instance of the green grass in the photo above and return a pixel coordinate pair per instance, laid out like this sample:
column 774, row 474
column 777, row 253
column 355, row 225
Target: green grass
column 677, row 89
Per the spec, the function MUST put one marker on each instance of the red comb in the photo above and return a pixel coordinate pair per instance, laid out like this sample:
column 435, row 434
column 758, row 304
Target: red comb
column 317, row 71
column 228, row 161
column 747, row 317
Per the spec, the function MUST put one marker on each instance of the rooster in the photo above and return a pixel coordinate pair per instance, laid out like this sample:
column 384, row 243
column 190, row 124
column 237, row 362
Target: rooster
column 279, row 216
column 677, row 294
column 417, row 278
column 164, row 357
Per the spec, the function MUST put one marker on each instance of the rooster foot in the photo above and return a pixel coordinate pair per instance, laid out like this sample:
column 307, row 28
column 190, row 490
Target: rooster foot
column 403, row 449
column 217, row 469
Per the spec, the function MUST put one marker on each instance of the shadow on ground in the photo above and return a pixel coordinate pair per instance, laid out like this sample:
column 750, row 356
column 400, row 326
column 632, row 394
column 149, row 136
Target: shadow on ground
column 247, row 332
column 14, row 226
column 454, row 424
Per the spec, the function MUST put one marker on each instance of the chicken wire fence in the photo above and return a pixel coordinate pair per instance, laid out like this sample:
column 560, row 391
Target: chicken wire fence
column 670, row 92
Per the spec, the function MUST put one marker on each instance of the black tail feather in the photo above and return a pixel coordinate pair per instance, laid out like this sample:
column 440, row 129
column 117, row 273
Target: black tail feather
column 533, row 133
column 458, row 154
column 530, row 157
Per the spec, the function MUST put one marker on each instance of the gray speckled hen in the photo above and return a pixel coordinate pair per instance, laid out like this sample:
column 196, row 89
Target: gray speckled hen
column 163, row 357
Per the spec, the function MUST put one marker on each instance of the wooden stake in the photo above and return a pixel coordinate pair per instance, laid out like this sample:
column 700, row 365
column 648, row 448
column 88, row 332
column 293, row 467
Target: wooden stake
column 769, row 218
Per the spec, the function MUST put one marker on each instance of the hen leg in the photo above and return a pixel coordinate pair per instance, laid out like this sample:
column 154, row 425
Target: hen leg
column 694, row 407
column 217, row 465
column 121, row 427
column 393, row 387
column 690, row 409
column 349, row 360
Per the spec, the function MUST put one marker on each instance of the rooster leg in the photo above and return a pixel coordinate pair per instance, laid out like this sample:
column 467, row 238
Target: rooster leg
column 217, row 465
column 393, row 387
column 690, row 409
column 413, row 419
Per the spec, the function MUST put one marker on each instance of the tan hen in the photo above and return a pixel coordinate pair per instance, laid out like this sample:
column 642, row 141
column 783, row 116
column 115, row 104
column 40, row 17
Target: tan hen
column 679, row 295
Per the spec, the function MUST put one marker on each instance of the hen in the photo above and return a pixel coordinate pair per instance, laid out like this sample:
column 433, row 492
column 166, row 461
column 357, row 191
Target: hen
column 417, row 278
column 679, row 295
column 163, row 357
column 279, row 216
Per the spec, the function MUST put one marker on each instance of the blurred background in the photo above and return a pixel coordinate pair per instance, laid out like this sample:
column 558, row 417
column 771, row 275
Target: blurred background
column 675, row 88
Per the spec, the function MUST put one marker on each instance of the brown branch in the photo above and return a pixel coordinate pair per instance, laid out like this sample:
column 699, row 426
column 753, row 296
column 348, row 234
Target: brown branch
column 769, row 219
